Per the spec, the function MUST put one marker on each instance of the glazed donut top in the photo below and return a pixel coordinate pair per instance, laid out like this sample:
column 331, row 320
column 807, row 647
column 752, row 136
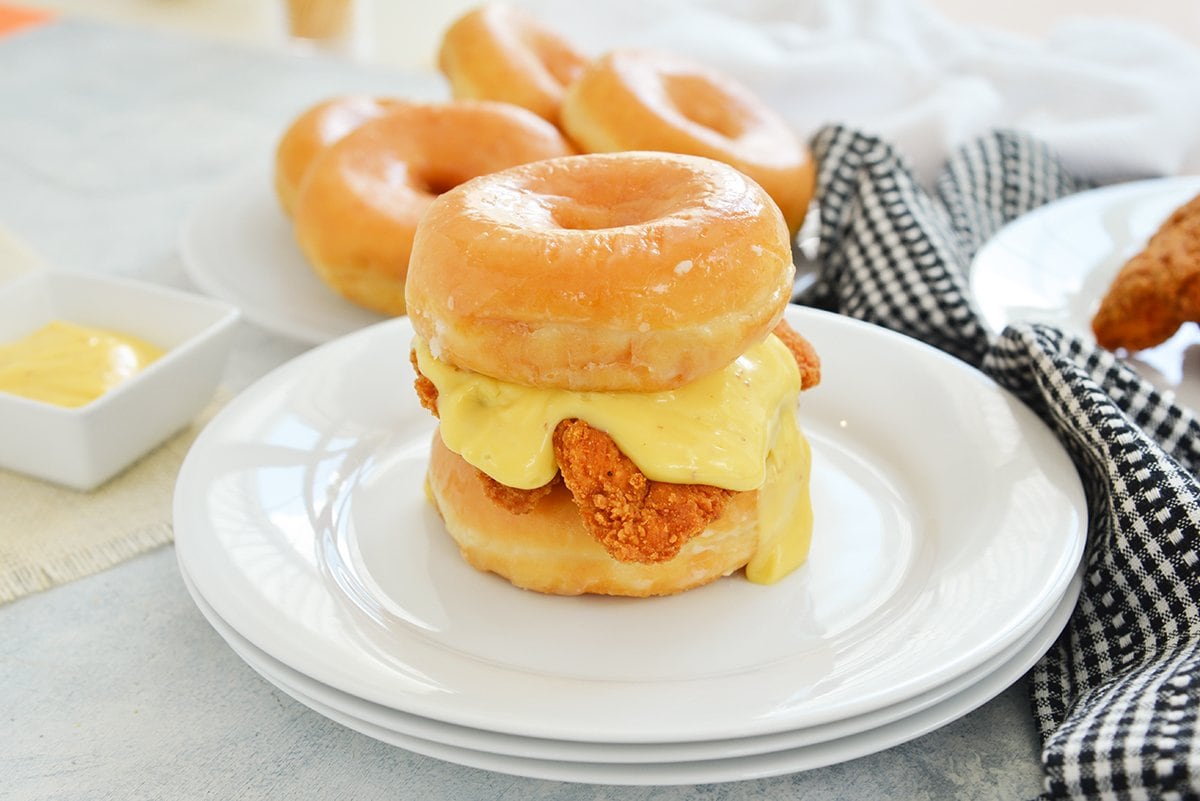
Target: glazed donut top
column 648, row 100
column 497, row 52
column 312, row 132
column 357, row 209
column 430, row 147
column 608, row 272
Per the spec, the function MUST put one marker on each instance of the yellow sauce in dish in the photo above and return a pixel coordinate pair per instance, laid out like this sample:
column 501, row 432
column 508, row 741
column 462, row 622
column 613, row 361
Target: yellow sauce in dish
column 71, row 365
column 730, row 429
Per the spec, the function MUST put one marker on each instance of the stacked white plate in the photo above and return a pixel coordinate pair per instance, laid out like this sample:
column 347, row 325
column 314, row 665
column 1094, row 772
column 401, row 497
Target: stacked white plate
column 949, row 531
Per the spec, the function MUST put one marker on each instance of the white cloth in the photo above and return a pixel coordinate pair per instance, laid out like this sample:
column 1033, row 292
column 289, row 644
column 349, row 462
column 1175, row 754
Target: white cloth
column 1115, row 99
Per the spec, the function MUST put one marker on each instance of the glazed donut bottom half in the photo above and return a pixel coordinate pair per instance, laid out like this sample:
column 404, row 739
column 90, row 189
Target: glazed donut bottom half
column 549, row 551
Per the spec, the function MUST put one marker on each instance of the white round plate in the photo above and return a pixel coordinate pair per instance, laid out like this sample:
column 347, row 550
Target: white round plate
column 949, row 521
column 238, row 246
column 1054, row 265
column 973, row 688
column 665, row 763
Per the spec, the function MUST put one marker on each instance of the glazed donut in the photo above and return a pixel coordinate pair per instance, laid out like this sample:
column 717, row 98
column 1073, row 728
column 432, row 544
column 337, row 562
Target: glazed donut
column 643, row 100
column 360, row 201
column 677, row 264
column 312, row 132
column 497, row 52
column 549, row 550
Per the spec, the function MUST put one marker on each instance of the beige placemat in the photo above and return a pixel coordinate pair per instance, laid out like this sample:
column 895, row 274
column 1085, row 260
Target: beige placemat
column 50, row 535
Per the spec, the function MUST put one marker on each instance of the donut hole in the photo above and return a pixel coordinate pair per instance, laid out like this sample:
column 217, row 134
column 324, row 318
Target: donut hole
column 636, row 200
column 574, row 216
column 436, row 182
column 704, row 103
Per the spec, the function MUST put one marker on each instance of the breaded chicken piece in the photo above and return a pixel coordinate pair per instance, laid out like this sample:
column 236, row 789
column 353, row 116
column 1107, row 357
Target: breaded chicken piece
column 634, row 518
column 1157, row 290
column 517, row 501
column 427, row 391
column 803, row 352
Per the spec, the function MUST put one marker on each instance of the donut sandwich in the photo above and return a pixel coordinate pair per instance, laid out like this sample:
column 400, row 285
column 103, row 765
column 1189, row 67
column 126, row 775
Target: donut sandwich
column 601, row 338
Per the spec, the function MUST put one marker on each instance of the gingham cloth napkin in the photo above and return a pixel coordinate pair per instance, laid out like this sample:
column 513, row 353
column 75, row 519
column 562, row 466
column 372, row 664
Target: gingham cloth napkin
column 1116, row 699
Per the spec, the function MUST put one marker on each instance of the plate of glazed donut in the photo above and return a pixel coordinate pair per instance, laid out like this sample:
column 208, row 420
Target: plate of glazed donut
column 320, row 248
column 1056, row 264
column 304, row 533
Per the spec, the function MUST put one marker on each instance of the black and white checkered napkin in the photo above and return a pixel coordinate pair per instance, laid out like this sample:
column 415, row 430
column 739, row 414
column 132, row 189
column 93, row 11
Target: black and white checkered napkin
column 1116, row 699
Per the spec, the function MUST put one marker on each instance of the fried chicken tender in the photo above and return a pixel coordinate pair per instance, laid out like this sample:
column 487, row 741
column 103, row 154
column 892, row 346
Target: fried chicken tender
column 634, row 518
column 1157, row 290
column 803, row 352
column 517, row 501
column 427, row 391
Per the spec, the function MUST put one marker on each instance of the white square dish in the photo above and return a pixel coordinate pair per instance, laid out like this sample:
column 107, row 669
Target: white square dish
column 83, row 447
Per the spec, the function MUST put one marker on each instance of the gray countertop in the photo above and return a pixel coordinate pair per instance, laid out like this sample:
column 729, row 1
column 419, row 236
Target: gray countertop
column 114, row 686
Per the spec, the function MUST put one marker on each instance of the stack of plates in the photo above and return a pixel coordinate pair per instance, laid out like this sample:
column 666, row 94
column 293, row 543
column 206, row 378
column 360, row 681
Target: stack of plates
column 949, row 531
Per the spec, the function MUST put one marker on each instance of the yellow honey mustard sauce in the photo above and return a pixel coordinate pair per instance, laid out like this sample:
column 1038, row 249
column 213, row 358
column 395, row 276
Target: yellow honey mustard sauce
column 71, row 365
column 785, row 516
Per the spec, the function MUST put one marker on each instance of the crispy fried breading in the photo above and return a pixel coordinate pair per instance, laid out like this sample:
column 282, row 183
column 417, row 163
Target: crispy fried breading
column 427, row 393
column 517, row 501
column 634, row 518
column 1157, row 290
column 803, row 352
